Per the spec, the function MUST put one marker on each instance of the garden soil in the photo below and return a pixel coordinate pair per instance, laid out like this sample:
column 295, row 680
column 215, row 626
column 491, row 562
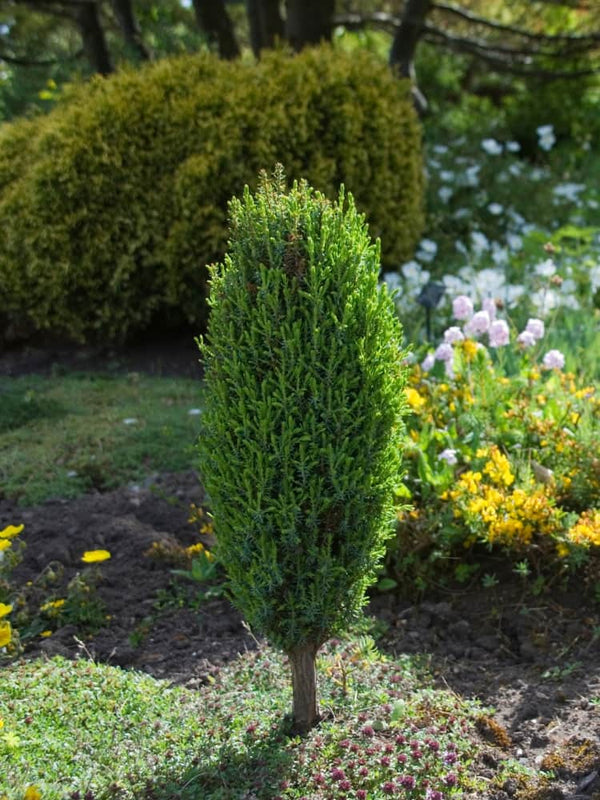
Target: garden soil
column 534, row 659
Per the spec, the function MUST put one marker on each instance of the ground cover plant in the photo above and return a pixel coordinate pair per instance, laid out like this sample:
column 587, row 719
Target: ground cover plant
column 119, row 734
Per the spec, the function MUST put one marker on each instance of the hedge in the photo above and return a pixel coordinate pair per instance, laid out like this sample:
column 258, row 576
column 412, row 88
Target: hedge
column 112, row 205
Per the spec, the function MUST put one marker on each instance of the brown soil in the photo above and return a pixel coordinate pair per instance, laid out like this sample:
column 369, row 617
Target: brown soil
column 534, row 660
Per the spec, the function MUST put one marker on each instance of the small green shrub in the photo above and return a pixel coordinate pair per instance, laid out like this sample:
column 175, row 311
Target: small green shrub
column 111, row 205
column 301, row 437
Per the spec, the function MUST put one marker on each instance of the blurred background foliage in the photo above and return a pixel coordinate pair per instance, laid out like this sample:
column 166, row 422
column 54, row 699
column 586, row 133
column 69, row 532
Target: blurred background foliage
column 505, row 55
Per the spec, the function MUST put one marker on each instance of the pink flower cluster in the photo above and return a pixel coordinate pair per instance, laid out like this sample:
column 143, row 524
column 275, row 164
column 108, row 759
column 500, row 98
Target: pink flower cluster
column 483, row 321
column 479, row 322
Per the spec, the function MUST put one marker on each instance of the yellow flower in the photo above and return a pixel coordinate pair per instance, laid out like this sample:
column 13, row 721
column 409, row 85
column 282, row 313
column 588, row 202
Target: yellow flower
column 5, row 610
column 498, row 468
column 45, row 634
column 32, row 793
column 52, row 604
column 5, row 633
column 4, row 543
column 10, row 531
column 194, row 548
column 470, row 349
column 95, row 556
column 414, row 399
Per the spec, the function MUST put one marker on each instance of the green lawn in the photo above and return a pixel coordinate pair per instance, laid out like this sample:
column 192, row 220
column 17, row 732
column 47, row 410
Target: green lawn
column 61, row 436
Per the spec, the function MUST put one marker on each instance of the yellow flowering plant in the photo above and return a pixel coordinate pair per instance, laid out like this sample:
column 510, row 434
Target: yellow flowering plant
column 11, row 553
column 502, row 453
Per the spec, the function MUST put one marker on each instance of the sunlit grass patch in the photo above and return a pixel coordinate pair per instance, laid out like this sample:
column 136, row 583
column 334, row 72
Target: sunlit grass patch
column 64, row 435
column 84, row 727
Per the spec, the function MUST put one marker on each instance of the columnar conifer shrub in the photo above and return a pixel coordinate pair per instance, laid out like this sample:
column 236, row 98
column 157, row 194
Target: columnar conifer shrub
column 111, row 205
column 302, row 436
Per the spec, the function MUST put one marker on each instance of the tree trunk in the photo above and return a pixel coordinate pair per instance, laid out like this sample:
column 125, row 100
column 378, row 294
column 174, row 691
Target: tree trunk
column 130, row 28
column 266, row 24
column 304, row 685
column 213, row 19
column 94, row 40
column 405, row 43
column 309, row 22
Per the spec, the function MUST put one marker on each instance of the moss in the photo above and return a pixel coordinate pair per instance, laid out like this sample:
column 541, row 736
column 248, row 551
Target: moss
column 577, row 757
column 493, row 732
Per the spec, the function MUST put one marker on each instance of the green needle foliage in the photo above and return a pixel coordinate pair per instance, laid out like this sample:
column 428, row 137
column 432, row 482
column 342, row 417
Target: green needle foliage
column 301, row 437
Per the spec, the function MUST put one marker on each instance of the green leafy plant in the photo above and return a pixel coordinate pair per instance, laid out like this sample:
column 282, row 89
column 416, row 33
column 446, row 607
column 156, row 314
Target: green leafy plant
column 301, row 437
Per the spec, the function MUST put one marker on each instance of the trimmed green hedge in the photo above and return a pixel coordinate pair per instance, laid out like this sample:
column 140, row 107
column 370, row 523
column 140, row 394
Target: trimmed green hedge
column 112, row 205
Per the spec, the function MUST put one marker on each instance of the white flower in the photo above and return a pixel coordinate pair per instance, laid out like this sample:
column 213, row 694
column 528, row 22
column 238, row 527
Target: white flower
column 489, row 282
column 453, row 334
column 512, row 294
column 553, row 359
column 594, row 276
column 392, row 280
column 427, row 250
column 537, row 174
column 513, row 147
column 454, row 285
column 495, row 208
column 449, row 456
column 447, row 175
column 514, row 241
column 462, row 213
column 445, row 193
column 516, row 169
column 130, row 421
column 194, row 412
column 413, row 272
column 545, row 301
column 479, row 242
column 568, row 191
column 545, row 269
column 546, row 137
column 472, row 175
column 499, row 255
column 440, row 149
column 491, row 147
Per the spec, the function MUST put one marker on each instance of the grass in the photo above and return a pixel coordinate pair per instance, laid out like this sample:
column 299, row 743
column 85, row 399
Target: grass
column 62, row 436
column 92, row 729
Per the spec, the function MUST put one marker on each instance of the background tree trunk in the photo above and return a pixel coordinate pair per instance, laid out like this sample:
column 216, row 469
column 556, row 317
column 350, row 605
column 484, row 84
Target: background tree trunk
column 405, row 43
column 309, row 22
column 94, row 41
column 213, row 19
column 304, row 685
column 266, row 24
column 130, row 28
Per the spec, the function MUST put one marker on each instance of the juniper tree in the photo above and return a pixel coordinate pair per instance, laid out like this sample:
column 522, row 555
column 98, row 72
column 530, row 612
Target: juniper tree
column 301, row 434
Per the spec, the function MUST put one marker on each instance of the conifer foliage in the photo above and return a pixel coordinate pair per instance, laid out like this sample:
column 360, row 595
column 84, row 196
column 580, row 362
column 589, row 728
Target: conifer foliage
column 302, row 428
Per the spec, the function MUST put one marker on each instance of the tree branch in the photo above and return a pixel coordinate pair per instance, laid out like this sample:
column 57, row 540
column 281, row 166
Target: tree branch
column 498, row 26
column 501, row 61
column 23, row 61
column 508, row 50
